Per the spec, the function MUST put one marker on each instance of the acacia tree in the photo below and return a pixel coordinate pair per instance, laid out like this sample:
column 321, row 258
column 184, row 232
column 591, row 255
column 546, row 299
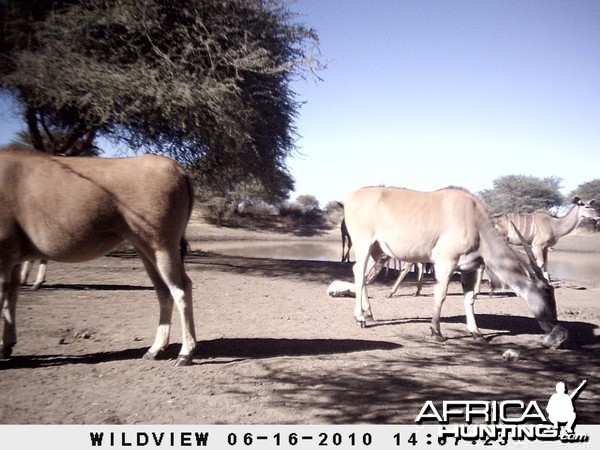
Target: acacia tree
column 80, row 148
column 522, row 193
column 308, row 202
column 194, row 79
column 221, row 187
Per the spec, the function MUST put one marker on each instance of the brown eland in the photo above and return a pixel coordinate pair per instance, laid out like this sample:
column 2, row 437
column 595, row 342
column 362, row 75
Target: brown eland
column 72, row 209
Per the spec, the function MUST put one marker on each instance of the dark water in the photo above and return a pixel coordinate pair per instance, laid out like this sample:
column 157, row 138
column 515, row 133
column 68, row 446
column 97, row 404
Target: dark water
column 563, row 265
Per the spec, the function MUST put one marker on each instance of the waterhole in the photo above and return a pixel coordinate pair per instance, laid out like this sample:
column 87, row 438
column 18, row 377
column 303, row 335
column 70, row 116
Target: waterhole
column 564, row 265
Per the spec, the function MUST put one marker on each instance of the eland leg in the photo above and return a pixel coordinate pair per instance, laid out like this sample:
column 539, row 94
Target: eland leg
column 420, row 272
column 170, row 266
column 405, row 267
column 541, row 258
column 478, row 280
column 41, row 276
column 25, row 271
column 443, row 272
column 10, row 279
column 360, row 284
column 545, row 264
column 375, row 264
column 362, row 276
column 165, row 302
column 470, row 282
column 172, row 286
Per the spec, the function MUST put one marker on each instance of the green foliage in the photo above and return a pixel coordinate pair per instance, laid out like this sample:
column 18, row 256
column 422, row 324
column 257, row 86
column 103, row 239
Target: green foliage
column 589, row 190
column 81, row 147
column 308, row 202
column 522, row 193
column 334, row 213
column 304, row 211
column 191, row 79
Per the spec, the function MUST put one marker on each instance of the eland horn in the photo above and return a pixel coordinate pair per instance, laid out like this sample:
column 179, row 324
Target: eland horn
column 536, row 269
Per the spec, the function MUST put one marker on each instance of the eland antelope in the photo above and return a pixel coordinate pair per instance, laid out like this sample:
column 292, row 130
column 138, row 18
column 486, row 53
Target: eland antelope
column 451, row 229
column 73, row 209
column 541, row 230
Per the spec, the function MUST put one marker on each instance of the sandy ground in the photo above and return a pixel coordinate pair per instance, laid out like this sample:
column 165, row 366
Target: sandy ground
column 274, row 348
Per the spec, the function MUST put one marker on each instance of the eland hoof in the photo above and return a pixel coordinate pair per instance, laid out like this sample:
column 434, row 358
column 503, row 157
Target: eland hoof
column 556, row 338
column 183, row 360
column 437, row 337
column 361, row 323
column 6, row 352
column 149, row 357
column 479, row 338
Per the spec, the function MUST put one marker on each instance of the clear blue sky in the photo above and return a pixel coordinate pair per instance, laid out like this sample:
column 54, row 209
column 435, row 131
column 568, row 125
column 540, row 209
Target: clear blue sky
column 424, row 94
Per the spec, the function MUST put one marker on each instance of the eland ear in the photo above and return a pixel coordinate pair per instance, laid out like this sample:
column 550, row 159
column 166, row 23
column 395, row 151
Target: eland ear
column 536, row 269
column 576, row 200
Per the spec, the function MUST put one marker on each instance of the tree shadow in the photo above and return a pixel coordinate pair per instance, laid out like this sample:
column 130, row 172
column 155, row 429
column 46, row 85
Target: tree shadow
column 301, row 224
column 260, row 348
column 581, row 334
column 305, row 270
column 393, row 392
column 239, row 349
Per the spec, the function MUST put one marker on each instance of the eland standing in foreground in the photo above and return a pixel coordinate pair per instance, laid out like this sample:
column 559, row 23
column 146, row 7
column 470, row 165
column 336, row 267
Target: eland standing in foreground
column 72, row 209
column 451, row 229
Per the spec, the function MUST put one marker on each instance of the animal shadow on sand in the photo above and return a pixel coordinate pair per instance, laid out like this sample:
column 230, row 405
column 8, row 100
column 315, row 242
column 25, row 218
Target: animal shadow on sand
column 94, row 287
column 217, row 351
column 581, row 334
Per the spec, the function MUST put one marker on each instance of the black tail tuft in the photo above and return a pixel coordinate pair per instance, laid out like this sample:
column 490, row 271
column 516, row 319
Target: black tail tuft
column 184, row 248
